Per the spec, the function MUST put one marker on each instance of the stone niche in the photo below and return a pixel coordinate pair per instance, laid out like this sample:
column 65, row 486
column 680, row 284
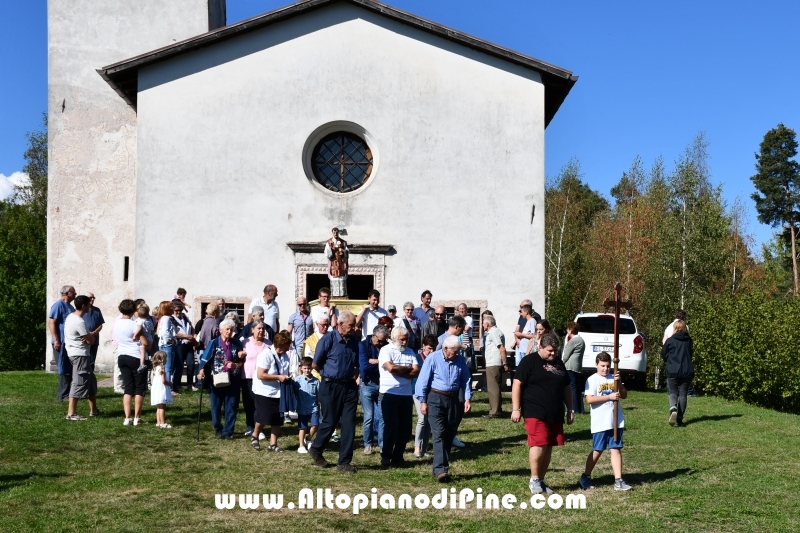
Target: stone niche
column 366, row 271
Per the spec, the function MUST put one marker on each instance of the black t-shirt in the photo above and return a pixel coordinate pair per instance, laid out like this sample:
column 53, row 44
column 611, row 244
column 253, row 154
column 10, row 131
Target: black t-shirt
column 543, row 385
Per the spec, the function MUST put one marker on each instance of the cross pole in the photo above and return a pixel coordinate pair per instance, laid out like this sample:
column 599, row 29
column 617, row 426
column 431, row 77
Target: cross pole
column 617, row 304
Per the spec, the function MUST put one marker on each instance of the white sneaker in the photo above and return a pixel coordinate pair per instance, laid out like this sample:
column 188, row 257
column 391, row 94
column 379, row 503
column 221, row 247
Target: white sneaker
column 302, row 449
column 137, row 421
column 457, row 443
column 261, row 436
column 128, row 422
column 308, row 443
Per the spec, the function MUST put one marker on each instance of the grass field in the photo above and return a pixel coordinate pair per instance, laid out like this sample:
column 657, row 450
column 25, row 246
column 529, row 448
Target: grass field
column 732, row 468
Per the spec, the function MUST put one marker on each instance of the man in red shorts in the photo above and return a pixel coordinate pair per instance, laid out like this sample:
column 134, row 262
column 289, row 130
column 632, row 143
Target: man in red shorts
column 540, row 390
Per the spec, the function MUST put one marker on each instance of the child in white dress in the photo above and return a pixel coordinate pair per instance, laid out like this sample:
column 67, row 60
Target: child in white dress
column 160, row 390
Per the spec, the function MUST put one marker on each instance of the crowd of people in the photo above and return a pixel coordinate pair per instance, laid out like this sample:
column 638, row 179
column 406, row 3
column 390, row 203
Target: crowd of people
column 326, row 361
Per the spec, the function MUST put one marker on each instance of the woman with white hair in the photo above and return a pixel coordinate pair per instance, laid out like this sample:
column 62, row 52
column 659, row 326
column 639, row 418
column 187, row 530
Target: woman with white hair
column 398, row 366
column 223, row 355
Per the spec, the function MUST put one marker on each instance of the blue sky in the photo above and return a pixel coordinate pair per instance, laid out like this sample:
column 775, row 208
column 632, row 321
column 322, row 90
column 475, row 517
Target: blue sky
column 652, row 76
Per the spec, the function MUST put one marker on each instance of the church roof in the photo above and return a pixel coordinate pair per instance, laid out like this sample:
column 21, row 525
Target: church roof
column 123, row 76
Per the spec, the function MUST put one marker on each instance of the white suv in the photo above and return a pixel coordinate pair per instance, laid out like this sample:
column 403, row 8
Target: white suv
column 597, row 330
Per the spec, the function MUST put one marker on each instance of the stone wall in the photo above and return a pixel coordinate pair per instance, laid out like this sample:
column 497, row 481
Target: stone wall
column 92, row 139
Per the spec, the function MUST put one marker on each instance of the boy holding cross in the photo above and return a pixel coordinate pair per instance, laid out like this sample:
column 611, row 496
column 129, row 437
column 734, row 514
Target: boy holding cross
column 601, row 397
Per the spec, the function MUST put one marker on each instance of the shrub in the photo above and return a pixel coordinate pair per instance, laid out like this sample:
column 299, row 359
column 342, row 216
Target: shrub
column 746, row 348
column 23, row 275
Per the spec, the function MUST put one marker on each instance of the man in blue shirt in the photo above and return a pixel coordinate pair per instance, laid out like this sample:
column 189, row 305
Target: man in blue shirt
column 424, row 312
column 443, row 377
column 456, row 325
column 368, row 351
column 55, row 323
column 336, row 359
column 94, row 323
column 300, row 325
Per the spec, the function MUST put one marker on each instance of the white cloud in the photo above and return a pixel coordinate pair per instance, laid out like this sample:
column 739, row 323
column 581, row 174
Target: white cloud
column 7, row 183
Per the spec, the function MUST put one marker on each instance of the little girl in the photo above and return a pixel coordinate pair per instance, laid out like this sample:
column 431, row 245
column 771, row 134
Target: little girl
column 160, row 390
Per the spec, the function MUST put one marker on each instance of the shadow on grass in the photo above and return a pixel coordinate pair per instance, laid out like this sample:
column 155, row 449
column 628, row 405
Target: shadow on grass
column 709, row 418
column 517, row 472
column 641, row 479
column 582, row 435
column 12, row 480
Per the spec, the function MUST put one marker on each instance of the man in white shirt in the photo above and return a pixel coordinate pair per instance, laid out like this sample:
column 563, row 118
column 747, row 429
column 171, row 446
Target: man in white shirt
column 77, row 341
column 469, row 351
column 680, row 314
column 496, row 364
column 398, row 366
column 369, row 315
column 325, row 309
column 272, row 314
column 527, row 334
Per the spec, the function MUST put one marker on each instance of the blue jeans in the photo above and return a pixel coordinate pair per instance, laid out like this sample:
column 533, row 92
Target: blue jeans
column 169, row 364
column 227, row 397
column 373, row 420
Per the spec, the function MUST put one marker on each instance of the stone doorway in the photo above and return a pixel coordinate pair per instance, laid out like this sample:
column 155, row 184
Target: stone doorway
column 358, row 285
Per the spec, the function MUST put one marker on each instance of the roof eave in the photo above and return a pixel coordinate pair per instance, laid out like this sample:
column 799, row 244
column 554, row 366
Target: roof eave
column 123, row 75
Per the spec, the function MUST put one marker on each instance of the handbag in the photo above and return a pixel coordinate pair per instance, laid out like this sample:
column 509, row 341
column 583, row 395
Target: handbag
column 222, row 379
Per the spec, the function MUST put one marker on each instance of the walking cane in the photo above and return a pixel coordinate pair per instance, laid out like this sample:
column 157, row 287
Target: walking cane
column 199, row 410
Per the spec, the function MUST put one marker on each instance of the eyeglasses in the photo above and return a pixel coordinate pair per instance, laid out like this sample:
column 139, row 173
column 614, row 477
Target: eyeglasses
column 438, row 314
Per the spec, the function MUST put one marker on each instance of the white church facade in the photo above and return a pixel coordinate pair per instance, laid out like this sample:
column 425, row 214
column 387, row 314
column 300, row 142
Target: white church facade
column 217, row 158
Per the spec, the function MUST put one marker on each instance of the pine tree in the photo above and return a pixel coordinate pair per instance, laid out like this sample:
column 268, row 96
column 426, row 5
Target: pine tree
column 777, row 182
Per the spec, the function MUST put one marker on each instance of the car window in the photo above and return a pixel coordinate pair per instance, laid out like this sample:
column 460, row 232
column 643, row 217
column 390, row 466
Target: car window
column 605, row 324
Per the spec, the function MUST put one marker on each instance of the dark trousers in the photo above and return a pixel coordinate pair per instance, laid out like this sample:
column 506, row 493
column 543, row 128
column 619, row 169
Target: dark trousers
column 184, row 353
column 93, row 355
column 678, row 390
column 443, row 418
column 576, row 384
column 339, row 402
column 396, row 412
column 227, row 397
column 64, row 374
column 249, row 403
column 459, row 411
column 64, row 386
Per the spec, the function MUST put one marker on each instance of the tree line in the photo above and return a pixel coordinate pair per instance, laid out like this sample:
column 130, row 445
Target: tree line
column 23, row 263
column 669, row 237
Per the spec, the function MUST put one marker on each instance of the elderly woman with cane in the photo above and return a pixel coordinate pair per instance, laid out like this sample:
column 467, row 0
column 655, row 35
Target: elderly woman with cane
column 224, row 359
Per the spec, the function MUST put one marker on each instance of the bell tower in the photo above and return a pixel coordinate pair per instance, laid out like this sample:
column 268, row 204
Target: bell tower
column 92, row 140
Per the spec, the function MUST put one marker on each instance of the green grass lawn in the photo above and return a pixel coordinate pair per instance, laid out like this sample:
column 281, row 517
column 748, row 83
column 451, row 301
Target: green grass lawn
column 732, row 468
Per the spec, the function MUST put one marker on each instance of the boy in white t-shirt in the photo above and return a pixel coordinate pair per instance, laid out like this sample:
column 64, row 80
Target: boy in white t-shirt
column 600, row 396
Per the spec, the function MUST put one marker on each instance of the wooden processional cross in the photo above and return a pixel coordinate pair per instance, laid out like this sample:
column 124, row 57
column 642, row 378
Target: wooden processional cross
column 617, row 304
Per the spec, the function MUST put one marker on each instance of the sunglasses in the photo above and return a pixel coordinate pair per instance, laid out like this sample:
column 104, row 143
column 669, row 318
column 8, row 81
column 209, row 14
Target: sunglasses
column 438, row 314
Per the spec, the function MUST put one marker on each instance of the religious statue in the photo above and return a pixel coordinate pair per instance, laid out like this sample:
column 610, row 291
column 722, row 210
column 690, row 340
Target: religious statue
column 338, row 255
